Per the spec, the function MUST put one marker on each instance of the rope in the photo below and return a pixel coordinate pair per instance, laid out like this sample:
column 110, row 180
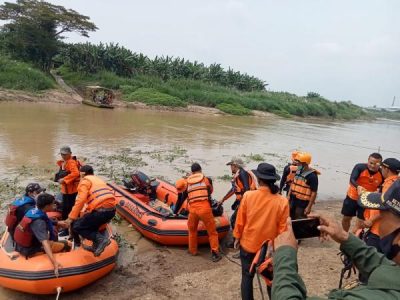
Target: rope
column 59, row 289
column 230, row 259
column 259, row 284
column 337, row 143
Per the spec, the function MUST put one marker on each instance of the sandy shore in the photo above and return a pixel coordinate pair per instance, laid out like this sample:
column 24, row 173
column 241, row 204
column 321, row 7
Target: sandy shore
column 150, row 271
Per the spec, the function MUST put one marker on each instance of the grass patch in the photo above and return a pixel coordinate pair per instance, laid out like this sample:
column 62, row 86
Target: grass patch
column 153, row 97
column 225, row 177
column 233, row 109
column 256, row 157
column 17, row 75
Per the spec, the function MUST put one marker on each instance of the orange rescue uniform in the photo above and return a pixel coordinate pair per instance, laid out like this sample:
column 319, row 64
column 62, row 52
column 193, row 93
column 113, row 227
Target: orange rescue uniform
column 372, row 213
column 71, row 181
column 199, row 190
column 261, row 216
column 369, row 182
column 94, row 193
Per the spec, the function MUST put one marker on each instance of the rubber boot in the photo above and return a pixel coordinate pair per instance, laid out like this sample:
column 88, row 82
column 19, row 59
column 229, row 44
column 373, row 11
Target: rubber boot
column 102, row 243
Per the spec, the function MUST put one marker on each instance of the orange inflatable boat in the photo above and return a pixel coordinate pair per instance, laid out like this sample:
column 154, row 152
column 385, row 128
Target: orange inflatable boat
column 36, row 274
column 153, row 217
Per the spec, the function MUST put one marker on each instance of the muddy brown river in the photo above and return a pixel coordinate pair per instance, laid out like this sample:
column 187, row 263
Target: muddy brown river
column 166, row 143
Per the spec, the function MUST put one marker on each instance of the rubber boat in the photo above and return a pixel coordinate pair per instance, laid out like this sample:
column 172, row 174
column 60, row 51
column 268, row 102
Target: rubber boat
column 154, row 219
column 35, row 275
column 95, row 104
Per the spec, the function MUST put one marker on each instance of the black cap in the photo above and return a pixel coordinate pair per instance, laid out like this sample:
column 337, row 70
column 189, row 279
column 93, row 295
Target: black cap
column 392, row 163
column 390, row 200
column 34, row 187
column 266, row 171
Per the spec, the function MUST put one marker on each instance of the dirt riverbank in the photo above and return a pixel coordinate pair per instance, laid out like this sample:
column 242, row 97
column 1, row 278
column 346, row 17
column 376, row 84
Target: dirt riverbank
column 150, row 271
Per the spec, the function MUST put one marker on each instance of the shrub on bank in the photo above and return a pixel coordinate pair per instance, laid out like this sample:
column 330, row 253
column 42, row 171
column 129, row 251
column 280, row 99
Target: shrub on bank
column 22, row 76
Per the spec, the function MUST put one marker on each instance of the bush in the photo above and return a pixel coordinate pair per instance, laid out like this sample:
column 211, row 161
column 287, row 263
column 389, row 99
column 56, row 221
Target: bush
column 153, row 97
column 233, row 109
column 22, row 76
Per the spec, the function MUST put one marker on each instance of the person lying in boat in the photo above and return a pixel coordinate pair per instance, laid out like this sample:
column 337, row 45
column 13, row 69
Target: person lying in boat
column 99, row 202
column 35, row 233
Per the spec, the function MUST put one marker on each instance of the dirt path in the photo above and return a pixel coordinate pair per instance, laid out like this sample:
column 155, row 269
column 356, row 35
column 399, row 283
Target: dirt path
column 150, row 271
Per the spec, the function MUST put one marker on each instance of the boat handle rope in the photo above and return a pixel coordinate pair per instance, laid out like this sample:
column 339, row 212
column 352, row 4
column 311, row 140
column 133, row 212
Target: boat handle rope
column 59, row 290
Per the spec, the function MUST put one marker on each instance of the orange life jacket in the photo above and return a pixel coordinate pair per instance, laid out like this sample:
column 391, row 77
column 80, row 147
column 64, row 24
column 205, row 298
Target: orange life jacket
column 198, row 188
column 367, row 181
column 299, row 188
column 239, row 186
column 292, row 173
column 100, row 194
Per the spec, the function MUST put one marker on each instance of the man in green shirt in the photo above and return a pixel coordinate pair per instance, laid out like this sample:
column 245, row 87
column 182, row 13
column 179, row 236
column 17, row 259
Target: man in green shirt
column 383, row 274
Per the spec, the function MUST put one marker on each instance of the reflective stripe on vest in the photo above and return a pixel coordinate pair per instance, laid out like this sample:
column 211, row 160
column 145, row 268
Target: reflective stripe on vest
column 367, row 181
column 198, row 189
column 98, row 193
column 299, row 188
column 292, row 173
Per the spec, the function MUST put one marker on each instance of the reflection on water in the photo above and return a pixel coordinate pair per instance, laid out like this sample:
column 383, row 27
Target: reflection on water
column 31, row 134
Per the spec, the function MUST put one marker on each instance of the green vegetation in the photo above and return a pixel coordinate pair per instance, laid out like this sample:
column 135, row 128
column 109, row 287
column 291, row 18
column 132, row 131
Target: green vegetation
column 22, row 76
column 233, row 109
column 153, row 97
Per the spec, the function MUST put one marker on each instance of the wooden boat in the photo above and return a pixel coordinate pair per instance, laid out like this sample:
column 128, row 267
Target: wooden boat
column 36, row 274
column 154, row 218
column 98, row 96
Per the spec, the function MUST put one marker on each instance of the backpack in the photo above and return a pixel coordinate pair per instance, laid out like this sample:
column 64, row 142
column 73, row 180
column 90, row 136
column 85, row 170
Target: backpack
column 11, row 219
column 62, row 173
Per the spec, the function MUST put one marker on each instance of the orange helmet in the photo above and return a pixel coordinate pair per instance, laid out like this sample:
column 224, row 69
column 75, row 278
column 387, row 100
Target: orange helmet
column 294, row 154
column 181, row 185
column 304, row 157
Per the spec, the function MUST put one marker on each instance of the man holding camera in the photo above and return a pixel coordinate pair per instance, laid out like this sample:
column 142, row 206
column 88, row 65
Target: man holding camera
column 382, row 270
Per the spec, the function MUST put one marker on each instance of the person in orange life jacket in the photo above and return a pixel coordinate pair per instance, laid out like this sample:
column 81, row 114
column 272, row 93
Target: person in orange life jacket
column 100, row 207
column 199, row 190
column 390, row 169
column 20, row 206
column 262, row 216
column 366, row 176
column 35, row 232
column 69, row 183
column 303, row 190
column 288, row 174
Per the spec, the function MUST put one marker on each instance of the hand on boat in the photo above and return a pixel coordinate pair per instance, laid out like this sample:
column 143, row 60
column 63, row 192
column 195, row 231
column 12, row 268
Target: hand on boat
column 57, row 266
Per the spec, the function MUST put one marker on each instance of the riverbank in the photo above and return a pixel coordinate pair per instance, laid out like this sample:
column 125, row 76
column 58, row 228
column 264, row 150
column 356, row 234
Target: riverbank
column 150, row 271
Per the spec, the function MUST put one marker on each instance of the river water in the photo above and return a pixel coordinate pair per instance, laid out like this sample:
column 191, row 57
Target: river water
column 31, row 135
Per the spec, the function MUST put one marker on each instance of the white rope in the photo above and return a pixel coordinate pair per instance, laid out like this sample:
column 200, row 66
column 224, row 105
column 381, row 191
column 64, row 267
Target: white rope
column 59, row 289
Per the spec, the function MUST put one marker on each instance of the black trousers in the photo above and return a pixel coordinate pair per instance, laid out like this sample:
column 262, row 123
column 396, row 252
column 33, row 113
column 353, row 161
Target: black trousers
column 88, row 225
column 297, row 208
column 67, row 204
column 246, row 286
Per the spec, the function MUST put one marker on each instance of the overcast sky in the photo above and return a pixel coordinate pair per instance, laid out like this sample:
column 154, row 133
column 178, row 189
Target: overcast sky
column 344, row 50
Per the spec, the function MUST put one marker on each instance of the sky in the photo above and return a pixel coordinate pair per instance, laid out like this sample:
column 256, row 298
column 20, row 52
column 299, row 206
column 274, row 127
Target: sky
column 341, row 49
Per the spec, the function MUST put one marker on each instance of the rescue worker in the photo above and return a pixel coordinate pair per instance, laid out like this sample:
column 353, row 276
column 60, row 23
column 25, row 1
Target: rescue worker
column 262, row 216
column 199, row 190
column 35, row 233
column 288, row 174
column 382, row 272
column 390, row 169
column 367, row 176
column 69, row 182
column 303, row 190
column 99, row 200
column 242, row 181
column 20, row 206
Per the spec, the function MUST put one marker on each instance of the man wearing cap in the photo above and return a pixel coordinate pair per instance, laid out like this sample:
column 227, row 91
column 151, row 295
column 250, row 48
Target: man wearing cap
column 390, row 169
column 261, row 216
column 99, row 201
column 383, row 274
column 241, row 182
column 20, row 206
column 288, row 174
column 69, row 182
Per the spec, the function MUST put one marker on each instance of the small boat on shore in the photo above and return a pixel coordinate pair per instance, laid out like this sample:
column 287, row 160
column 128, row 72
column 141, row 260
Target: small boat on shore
column 153, row 217
column 98, row 96
column 35, row 275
